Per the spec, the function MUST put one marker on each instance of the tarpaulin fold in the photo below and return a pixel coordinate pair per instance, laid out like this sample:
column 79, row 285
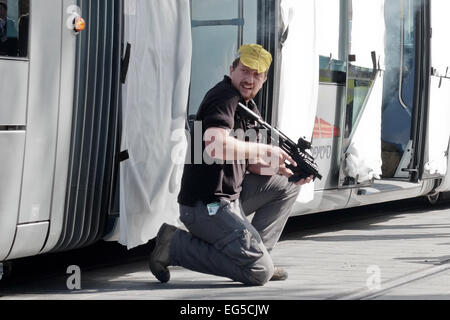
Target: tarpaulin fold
column 155, row 99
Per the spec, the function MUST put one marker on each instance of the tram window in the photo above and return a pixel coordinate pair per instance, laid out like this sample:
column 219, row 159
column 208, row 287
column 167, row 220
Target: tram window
column 331, row 45
column 213, row 48
column 399, row 82
column 333, row 71
column 213, row 9
column 359, row 82
column 14, row 27
column 218, row 30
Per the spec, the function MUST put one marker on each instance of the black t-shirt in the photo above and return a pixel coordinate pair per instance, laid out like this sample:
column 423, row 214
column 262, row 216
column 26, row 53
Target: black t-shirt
column 211, row 182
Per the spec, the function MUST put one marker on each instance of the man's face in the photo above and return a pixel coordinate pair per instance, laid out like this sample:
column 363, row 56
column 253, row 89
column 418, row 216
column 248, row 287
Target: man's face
column 247, row 81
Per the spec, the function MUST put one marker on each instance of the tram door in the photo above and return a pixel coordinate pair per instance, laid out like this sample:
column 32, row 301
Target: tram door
column 35, row 101
column 383, row 114
column 398, row 141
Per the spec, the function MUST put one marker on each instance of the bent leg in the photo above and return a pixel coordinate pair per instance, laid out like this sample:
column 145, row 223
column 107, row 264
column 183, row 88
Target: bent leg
column 271, row 199
column 225, row 244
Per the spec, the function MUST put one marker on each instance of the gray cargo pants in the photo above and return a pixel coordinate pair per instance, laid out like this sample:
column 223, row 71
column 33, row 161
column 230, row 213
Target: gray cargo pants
column 227, row 244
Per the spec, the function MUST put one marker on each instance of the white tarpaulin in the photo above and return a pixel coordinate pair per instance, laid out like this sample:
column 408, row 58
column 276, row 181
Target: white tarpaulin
column 439, row 114
column 368, row 32
column 154, row 107
column 299, row 82
column 363, row 157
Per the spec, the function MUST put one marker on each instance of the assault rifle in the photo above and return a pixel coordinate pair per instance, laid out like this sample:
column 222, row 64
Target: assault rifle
column 306, row 166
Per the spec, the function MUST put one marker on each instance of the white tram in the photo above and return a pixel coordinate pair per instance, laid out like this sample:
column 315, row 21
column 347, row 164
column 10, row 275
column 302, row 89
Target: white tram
column 88, row 119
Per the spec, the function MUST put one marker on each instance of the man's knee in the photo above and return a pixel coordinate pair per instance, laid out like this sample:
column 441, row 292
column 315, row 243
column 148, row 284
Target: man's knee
column 283, row 187
column 290, row 187
column 260, row 273
column 248, row 251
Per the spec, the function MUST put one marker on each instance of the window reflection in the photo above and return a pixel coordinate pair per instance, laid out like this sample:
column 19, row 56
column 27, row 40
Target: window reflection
column 399, row 82
column 360, row 80
column 14, row 27
column 332, row 70
column 218, row 27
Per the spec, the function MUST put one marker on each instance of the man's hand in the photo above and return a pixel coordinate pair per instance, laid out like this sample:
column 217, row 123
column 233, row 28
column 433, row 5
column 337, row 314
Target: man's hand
column 288, row 173
column 264, row 160
column 271, row 160
column 284, row 171
column 305, row 181
column 282, row 157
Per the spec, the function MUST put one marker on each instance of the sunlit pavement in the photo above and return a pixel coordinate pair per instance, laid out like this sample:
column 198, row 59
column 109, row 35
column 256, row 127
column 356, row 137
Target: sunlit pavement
column 401, row 254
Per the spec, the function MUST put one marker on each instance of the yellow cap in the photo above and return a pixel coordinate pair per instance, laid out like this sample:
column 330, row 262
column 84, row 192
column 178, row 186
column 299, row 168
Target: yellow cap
column 255, row 57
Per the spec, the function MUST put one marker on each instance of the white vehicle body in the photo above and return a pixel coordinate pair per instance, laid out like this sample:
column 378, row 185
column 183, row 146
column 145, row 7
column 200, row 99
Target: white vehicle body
column 370, row 85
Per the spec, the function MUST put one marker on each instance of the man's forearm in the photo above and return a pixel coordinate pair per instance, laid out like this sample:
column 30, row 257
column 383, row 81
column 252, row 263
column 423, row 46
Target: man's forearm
column 261, row 170
column 220, row 145
column 240, row 150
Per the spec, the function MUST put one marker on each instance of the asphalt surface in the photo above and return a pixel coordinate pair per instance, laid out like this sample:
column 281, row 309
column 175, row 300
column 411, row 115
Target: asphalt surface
column 393, row 251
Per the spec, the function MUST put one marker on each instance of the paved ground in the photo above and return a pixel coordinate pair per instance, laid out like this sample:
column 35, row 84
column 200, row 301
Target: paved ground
column 393, row 253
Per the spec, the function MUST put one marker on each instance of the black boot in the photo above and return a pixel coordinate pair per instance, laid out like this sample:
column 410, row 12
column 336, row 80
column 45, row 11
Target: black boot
column 279, row 274
column 160, row 257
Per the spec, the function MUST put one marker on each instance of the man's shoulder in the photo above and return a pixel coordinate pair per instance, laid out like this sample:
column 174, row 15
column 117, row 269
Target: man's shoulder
column 224, row 89
column 222, row 94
